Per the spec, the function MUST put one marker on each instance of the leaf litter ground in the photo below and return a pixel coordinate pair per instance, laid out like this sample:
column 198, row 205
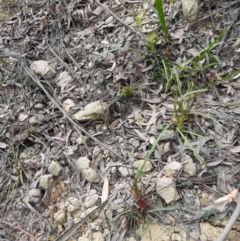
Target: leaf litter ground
column 109, row 61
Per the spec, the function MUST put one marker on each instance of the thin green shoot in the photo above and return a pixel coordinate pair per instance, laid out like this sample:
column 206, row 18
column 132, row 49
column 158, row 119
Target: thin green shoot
column 138, row 176
column 192, row 148
column 168, row 74
column 208, row 117
column 17, row 164
column 192, row 133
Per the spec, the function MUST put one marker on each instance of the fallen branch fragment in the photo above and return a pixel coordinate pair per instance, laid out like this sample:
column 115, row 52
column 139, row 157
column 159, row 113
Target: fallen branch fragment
column 230, row 224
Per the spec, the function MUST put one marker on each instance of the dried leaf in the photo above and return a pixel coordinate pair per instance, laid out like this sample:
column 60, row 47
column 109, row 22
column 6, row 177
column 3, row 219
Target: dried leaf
column 3, row 145
column 215, row 163
column 179, row 33
column 153, row 101
column 143, row 136
column 144, row 69
column 105, row 190
column 235, row 149
column 226, row 199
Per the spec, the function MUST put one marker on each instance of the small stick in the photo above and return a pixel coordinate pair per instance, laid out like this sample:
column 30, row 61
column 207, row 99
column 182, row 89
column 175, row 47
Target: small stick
column 77, row 126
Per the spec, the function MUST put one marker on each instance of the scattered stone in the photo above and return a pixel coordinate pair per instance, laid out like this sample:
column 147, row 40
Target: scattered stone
column 71, row 150
column 90, row 175
column 92, row 111
column 46, row 181
column 189, row 166
column 166, row 147
column 87, row 211
column 172, row 169
column 63, row 79
column 110, row 57
column 97, row 236
column 139, row 119
column 83, row 165
column 83, row 239
column 67, row 39
column 35, row 195
column 160, row 232
column 60, row 216
column 209, row 232
column 98, row 10
column 68, row 104
column 75, row 204
column 126, row 172
column 55, row 169
column 129, row 20
column 120, row 139
column 138, row 164
column 39, row 106
column 43, row 68
column 90, row 201
column 74, row 136
column 236, row 45
column 135, row 143
column 23, row 155
column 191, row 9
column 131, row 239
column 22, row 117
column 96, row 151
column 82, row 139
column 169, row 135
column 166, row 189
column 204, row 199
column 193, row 52
column 35, row 119
column 152, row 139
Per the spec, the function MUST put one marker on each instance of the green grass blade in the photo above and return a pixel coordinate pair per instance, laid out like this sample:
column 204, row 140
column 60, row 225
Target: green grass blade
column 208, row 117
column 192, row 148
column 161, row 17
column 139, row 173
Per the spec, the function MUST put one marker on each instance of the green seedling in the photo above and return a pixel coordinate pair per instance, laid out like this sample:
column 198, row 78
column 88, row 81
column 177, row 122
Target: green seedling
column 139, row 20
column 152, row 37
column 210, row 214
column 18, row 167
column 129, row 91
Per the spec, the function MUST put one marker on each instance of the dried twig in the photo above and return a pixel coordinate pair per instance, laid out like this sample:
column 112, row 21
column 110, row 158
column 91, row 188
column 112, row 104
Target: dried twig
column 77, row 126
column 78, row 78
